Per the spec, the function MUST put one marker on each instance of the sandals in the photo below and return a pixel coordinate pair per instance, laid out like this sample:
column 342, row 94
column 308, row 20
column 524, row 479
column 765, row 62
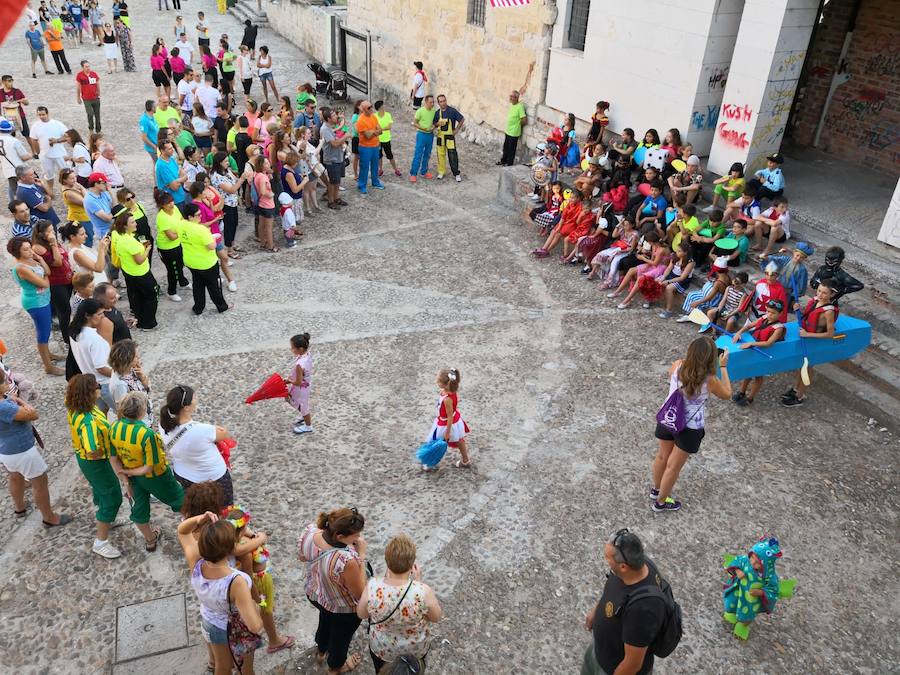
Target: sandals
column 150, row 548
column 23, row 512
column 352, row 662
column 234, row 256
column 286, row 644
column 64, row 519
column 463, row 465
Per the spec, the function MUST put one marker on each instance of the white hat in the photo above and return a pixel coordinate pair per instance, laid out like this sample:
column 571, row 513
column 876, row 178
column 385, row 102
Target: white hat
column 694, row 160
column 285, row 199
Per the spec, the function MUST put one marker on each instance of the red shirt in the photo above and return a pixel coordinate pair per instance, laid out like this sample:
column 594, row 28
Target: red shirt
column 90, row 85
column 14, row 95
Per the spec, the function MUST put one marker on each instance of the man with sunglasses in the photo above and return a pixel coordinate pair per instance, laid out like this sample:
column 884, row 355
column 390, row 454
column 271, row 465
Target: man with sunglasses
column 623, row 631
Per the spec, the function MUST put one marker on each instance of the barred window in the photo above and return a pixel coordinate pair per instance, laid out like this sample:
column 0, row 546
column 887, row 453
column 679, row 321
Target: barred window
column 576, row 30
column 476, row 12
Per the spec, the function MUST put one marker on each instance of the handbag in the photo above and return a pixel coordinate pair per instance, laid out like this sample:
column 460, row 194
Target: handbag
column 241, row 640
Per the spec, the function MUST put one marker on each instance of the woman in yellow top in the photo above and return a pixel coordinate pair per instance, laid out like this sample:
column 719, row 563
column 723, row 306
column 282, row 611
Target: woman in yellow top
column 137, row 454
column 73, row 194
column 132, row 255
column 90, row 439
column 199, row 248
column 168, row 243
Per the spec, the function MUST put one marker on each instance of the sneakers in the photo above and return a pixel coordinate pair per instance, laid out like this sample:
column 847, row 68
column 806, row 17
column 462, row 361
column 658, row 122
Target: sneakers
column 646, row 305
column 378, row 186
column 741, row 399
column 458, row 178
column 106, row 550
column 709, row 209
column 342, row 188
column 622, row 305
column 397, row 173
column 174, row 297
column 668, row 505
column 302, row 429
column 737, row 396
column 792, row 400
column 790, row 393
column 232, row 286
column 654, row 494
column 380, row 172
column 586, row 269
column 684, row 318
column 429, row 175
column 665, row 314
column 412, row 179
column 540, row 253
column 363, row 191
column 188, row 286
column 440, row 176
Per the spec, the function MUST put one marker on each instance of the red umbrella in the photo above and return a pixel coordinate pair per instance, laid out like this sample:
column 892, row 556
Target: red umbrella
column 274, row 387
column 9, row 13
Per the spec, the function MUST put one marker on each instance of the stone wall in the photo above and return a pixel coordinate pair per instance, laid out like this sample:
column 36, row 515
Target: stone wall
column 307, row 26
column 863, row 120
column 476, row 67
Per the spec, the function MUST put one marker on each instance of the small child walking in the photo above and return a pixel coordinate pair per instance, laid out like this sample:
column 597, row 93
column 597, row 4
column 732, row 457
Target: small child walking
column 449, row 424
column 288, row 219
column 299, row 381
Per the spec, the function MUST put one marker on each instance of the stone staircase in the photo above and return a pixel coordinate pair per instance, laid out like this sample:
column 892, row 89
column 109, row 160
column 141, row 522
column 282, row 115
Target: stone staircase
column 869, row 383
column 248, row 9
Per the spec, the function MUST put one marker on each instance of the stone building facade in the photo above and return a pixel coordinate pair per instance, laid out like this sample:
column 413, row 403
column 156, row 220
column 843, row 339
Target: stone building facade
column 862, row 121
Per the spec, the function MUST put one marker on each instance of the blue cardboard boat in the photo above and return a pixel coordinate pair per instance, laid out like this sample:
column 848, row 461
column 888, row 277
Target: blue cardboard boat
column 851, row 336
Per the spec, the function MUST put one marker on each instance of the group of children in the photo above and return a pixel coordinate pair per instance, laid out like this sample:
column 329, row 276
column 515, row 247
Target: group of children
column 646, row 236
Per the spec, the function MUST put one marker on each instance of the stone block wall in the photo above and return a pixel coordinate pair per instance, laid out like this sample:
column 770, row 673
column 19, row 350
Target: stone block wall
column 863, row 120
column 307, row 26
column 475, row 66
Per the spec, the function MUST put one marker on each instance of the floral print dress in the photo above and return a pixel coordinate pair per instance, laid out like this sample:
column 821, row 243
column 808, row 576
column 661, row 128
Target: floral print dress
column 406, row 631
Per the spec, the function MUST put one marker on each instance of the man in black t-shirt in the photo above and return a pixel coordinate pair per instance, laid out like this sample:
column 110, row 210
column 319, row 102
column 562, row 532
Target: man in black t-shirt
column 623, row 634
column 242, row 141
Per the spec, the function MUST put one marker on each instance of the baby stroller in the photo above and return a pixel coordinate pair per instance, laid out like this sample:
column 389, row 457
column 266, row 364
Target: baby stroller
column 333, row 84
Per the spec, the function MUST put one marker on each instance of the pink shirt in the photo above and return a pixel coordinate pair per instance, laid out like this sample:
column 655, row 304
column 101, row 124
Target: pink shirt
column 263, row 184
column 209, row 62
column 177, row 64
column 157, row 62
column 206, row 217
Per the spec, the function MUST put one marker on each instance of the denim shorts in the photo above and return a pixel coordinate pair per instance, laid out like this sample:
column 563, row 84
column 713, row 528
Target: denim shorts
column 213, row 634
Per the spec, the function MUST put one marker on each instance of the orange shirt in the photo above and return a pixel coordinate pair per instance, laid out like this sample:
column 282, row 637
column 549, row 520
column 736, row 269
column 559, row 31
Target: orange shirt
column 367, row 123
column 54, row 39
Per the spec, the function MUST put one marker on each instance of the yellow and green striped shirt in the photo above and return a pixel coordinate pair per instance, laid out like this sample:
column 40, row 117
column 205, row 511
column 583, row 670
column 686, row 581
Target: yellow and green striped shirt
column 90, row 434
column 137, row 445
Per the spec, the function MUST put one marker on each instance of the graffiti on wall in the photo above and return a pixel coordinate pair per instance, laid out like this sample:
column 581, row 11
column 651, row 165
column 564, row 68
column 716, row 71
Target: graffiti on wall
column 790, row 65
column 705, row 120
column 883, row 65
column 736, row 112
column 883, row 135
column 733, row 131
column 718, row 77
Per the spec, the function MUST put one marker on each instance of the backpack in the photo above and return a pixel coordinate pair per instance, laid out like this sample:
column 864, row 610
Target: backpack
column 670, row 631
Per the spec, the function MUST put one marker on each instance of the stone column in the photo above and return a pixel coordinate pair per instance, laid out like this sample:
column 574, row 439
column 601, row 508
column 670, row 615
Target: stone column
column 762, row 81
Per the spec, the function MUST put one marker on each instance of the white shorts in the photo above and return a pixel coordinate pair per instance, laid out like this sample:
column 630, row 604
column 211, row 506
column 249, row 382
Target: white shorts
column 52, row 166
column 29, row 463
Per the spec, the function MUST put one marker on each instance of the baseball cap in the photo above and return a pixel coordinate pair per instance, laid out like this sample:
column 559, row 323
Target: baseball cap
column 6, row 126
column 805, row 249
column 777, row 157
column 97, row 177
column 284, row 199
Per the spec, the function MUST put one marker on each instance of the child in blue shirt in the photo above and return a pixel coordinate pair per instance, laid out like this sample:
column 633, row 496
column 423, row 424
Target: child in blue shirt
column 653, row 208
column 771, row 177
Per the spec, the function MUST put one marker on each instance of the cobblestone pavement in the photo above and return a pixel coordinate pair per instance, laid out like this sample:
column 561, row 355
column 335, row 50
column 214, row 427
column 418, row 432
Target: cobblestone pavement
column 560, row 391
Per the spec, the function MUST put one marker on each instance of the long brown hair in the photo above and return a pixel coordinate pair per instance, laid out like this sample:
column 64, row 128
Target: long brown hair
column 698, row 365
column 340, row 523
column 81, row 393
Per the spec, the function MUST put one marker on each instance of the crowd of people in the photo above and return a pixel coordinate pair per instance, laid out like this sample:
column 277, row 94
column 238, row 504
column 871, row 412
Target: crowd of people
column 626, row 213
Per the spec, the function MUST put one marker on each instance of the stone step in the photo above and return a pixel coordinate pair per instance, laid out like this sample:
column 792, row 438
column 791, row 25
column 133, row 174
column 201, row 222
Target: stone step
column 247, row 9
column 869, row 382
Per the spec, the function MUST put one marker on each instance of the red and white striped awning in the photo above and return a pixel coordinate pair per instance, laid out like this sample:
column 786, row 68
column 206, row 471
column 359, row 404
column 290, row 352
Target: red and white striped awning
column 509, row 3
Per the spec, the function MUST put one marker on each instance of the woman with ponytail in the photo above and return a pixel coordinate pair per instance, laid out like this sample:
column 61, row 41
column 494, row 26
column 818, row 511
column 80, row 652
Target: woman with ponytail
column 335, row 553
column 192, row 445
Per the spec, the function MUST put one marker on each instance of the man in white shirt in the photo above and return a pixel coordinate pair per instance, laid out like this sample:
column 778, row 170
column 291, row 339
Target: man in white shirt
column 107, row 164
column 202, row 29
column 186, row 89
column 13, row 153
column 51, row 137
column 208, row 97
column 185, row 48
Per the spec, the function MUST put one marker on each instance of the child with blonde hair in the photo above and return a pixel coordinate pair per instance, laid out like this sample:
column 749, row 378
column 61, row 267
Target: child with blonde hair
column 449, row 424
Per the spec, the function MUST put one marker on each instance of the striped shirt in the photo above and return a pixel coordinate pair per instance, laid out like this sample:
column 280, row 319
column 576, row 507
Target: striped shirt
column 323, row 574
column 90, row 434
column 734, row 298
column 24, row 230
column 137, row 445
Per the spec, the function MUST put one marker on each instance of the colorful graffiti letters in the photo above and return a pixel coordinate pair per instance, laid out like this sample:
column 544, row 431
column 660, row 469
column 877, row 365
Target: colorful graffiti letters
column 705, row 121
column 733, row 137
column 741, row 113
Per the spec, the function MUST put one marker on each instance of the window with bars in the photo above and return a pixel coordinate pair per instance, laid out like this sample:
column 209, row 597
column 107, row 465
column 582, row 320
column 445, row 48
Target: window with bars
column 576, row 30
column 476, row 12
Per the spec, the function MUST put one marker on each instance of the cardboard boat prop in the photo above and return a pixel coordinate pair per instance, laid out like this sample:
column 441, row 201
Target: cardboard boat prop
column 851, row 336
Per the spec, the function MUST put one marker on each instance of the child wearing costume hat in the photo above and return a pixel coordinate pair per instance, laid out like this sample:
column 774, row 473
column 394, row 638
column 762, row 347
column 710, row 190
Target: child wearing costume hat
column 754, row 586
column 288, row 219
column 792, row 270
column 771, row 178
column 832, row 270
column 765, row 331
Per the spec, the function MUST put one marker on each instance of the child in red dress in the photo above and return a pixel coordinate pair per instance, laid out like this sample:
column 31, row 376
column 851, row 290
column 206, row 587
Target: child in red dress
column 449, row 424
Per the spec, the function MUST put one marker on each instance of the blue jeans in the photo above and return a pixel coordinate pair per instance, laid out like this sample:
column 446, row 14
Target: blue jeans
column 368, row 162
column 422, row 153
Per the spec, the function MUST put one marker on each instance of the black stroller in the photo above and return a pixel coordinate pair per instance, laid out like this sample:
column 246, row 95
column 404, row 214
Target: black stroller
column 332, row 84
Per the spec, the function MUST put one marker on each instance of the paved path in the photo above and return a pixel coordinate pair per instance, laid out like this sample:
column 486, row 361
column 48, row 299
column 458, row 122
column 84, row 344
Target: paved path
column 560, row 390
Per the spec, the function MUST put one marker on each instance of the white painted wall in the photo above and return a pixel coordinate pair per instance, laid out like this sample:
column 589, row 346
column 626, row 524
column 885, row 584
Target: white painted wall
column 647, row 57
column 890, row 228
column 768, row 57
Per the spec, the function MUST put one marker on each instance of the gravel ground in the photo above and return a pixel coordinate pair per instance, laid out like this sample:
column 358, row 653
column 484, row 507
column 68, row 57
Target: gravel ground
column 559, row 388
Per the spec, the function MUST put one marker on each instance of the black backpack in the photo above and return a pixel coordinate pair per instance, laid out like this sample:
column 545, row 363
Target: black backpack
column 670, row 631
